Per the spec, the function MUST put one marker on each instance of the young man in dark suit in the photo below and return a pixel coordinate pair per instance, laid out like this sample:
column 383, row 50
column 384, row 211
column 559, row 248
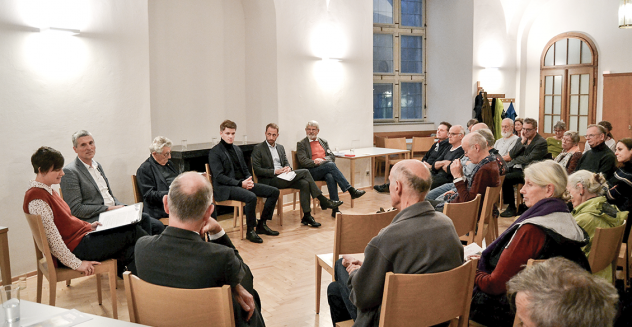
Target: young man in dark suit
column 233, row 181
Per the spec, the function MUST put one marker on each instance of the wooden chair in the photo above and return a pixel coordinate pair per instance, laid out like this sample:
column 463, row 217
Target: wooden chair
column 319, row 184
column 283, row 192
column 605, row 249
column 486, row 223
column 379, row 143
column 238, row 206
column 421, row 145
column 155, row 305
column 138, row 197
column 45, row 267
column 464, row 216
column 395, row 143
column 352, row 234
column 428, row 299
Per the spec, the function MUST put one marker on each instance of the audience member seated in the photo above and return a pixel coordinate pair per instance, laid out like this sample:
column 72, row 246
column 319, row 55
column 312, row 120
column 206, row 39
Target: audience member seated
column 554, row 143
column 544, row 231
column 313, row 154
column 180, row 258
column 471, row 123
column 233, row 181
column 599, row 159
column 591, row 209
column 87, row 190
column 508, row 141
column 620, row 192
column 609, row 139
column 518, row 126
column 269, row 161
column 441, row 168
column 485, row 172
column 418, row 241
column 554, row 293
column 436, row 151
column 69, row 237
column 531, row 148
column 154, row 176
column 491, row 140
column 570, row 155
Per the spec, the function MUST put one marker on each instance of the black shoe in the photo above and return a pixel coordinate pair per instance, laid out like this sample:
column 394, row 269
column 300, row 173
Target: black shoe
column 509, row 212
column 334, row 212
column 355, row 193
column 521, row 209
column 382, row 188
column 329, row 204
column 252, row 236
column 309, row 220
column 262, row 228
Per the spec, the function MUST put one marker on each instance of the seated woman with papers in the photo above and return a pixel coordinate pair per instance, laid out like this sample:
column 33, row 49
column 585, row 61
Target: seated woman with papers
column 72, row 240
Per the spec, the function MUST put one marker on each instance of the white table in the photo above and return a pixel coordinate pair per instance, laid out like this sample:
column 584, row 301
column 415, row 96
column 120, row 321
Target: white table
column 31, row 312
column 371, row 152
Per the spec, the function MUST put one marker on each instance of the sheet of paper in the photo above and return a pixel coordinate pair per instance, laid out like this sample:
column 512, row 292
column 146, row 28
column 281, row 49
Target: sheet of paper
column 472, row 249
column 64, row 319
column 287, row 176
column 120, row 217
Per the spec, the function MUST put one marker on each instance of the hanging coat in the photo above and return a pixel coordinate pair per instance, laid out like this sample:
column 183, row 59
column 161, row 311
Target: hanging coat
column 478, row 105
column 486, row 113
column 498, row 119
column 511, row 112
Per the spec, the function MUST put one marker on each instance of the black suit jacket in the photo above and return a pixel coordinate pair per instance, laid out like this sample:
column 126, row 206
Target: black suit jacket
column 180, row 258
column 535, row 151
column 153, row 186
column 223, row 172
column 304, row 153
column 262, row 162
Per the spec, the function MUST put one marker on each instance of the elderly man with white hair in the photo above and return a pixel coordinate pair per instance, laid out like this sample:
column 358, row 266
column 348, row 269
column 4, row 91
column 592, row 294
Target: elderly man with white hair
column 507, row 143
column 154, row 176
column 313, row 154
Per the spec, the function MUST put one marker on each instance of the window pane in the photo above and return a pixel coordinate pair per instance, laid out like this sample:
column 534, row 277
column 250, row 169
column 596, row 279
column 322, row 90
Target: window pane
column 547, row 124
column 572, row 126
column 557, row 86
column 557, row 104
column 583, row 125
column 548, row 59
column 411, row 103
column 548, row 84
column 548, row 104
column 382, row 101
column 412, row 13
column 574, row 84
column 382, row 53
column 574, row 47
column 574, row 106
column 585, row 84
column 411, row 54
column 383, row 11
column 583, row 105
column 586, row 54
column 556, row 119
column 560, row 52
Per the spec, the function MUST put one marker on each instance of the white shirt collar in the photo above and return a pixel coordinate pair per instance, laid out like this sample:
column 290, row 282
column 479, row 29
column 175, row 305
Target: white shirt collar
column 34, row 183
column 94, row 164
column 313, row 140
column 270, row 146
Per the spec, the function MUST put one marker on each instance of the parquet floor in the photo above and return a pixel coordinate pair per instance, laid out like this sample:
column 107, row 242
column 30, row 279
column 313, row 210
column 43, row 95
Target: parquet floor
column 283, row 268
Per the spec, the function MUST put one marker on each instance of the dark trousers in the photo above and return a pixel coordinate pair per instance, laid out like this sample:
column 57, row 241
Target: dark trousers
column 302, row 181
column 250, row 198
column 151, row 226
column 440, row 178
column 117, row 243
column 330, row 173
column 340, row 306
column 513, row 177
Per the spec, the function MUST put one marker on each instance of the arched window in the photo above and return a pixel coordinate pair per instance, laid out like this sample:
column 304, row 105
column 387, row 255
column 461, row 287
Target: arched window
column 568, row 83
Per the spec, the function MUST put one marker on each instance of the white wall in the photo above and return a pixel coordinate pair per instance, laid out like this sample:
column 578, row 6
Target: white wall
column 98, row 80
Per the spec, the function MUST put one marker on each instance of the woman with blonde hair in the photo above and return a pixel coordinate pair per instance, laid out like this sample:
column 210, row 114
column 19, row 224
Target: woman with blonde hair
column 591, row 208
column 545, row 230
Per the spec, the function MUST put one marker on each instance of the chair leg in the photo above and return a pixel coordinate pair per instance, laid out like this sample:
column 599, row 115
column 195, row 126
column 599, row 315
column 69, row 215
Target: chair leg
column 99, row 294
column 235, row 210
column 387, row 166
column 40, row 277
column 52, row 292
column 294, row 202
column 241, row 222
column 318, row 279
column 280, row 210
column 112, row 280
column 68, row 282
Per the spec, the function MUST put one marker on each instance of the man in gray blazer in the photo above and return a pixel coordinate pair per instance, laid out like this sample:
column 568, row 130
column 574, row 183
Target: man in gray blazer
column 269, row 161
column 86, row 189
column 313, row 154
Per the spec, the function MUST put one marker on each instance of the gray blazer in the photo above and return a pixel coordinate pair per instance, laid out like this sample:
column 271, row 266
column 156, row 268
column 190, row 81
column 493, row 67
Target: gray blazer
column 81, row 192
column 262, row 162
column 304, row 153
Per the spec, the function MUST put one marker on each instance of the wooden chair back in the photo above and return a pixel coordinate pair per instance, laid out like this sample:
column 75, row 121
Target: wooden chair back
column 155, row 305
column 42, row 249
column 294, row 160
column 443, row 296
column 60, row 194
column 464, row 216
column 421, row 144
column 484, row 222
column 395, row 143
column 208, row 174
column 605, row 249
column 353, row 232
column 379, row 141
column 138, row 197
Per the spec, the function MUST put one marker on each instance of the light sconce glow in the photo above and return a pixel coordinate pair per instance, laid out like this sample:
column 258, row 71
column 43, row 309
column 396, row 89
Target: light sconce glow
column 625, row 14
column 490, row 78
column 328, row 74
column 63, row 14
column 55, row 56
column 61, row 31
column 491, row 54
column 328, row 42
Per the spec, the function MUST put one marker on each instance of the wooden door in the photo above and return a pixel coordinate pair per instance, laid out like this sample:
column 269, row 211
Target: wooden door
column 617, row 103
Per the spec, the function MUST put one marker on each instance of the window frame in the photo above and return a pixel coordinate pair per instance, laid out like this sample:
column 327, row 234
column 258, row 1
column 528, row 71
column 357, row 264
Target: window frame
column 396, row 77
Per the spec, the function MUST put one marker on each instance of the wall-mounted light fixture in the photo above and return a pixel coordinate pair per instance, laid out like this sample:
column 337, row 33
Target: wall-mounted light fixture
column 57, row 30
column 625, row 14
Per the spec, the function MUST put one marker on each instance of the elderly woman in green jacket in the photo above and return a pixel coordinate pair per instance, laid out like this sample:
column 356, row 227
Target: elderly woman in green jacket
column 591, row 208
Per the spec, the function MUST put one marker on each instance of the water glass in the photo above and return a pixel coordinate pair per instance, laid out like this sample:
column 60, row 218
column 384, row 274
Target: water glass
column 10, row 296
column 354, row 145
column 184, row 145
column 214, row 141
column 245, row 139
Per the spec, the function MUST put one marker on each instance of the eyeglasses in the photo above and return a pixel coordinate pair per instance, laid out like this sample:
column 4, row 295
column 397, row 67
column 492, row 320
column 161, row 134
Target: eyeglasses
column 588, row 136
column 528, row 130
column 166, row 154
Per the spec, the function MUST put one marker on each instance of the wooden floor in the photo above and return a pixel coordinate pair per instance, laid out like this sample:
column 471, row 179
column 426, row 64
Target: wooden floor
column 283, row 268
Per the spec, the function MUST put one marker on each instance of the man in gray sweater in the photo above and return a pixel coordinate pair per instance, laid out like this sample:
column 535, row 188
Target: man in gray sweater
column 418, row 241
